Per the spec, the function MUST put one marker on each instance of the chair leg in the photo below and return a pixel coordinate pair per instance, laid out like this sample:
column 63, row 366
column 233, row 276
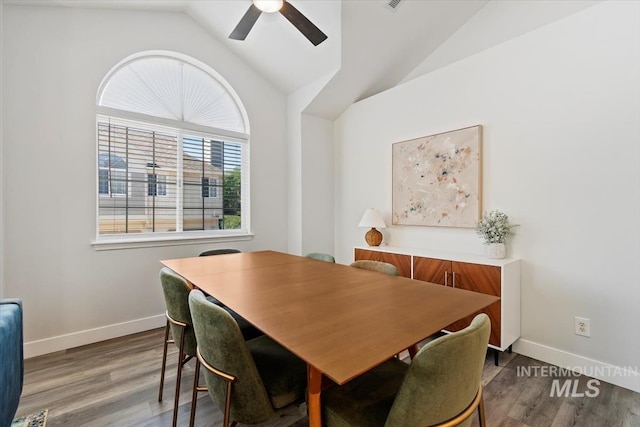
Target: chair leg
column 178, row 378
column 164, row 360
column 481, row 414
column 194, row 395
column 227, row 405
column 413, row 350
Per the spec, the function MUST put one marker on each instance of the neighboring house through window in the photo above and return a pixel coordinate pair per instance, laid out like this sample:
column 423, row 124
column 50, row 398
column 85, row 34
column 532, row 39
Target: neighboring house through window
column 112, row 175
column 156, row 185
column 172, row 150
column 209, row 187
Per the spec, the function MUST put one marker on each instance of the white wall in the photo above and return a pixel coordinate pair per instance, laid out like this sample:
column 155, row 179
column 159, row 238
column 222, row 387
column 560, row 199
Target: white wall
column 309, row 169
column 54, row 60
column 488, row 28
column 317, row 185
column 560, row 108
column 296, row 102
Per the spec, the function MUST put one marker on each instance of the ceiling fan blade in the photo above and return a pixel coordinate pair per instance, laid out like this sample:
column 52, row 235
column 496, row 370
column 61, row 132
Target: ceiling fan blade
column 246, row 23
column 301, row 22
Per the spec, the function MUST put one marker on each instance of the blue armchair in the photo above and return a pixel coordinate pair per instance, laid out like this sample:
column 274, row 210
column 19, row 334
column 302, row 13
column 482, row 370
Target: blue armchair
column 12, row 359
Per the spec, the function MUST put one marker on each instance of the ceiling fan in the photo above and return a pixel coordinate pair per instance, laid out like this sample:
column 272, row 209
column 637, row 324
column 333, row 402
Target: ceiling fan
column 292, row 14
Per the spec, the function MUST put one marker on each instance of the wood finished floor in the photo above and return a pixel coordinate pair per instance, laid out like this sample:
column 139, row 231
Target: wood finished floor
column 115, row 383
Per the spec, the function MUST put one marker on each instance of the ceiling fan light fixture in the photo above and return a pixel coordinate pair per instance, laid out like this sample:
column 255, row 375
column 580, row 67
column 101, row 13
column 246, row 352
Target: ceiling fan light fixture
column 268, row 6
column 293, row 15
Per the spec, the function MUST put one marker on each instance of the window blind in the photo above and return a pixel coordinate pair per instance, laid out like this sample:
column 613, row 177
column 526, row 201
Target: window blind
column 153, row 181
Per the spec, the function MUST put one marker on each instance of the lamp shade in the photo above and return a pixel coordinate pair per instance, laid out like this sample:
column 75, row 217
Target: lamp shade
column 372, row 218
column 268, row 6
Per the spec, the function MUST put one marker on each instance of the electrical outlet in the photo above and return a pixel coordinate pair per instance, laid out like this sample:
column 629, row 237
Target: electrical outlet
column 582, row 326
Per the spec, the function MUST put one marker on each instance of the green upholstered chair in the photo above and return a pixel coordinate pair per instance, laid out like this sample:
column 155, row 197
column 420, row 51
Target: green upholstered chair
column 176, row 296
column 320, row 256
column 379, row 266
column 441, row 386
column 213, row 252
column 248, row 330
column 219, row 252
column 386, row 268
column 249, row 380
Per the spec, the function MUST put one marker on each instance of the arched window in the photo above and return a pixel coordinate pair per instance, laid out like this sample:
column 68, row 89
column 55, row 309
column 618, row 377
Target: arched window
column 172, row 152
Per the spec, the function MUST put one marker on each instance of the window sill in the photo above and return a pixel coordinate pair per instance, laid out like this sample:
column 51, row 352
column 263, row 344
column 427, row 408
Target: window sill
column 108, row 243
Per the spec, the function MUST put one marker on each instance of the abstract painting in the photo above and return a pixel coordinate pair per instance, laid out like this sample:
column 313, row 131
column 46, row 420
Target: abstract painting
column 437, row 179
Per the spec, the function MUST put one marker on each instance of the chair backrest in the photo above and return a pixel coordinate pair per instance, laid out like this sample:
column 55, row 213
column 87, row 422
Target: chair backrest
column 379, row 266
column 320, row 256
column 222, row 346
column 11, row 358
column 176, row 297
column 443, row 378
column 219, row 252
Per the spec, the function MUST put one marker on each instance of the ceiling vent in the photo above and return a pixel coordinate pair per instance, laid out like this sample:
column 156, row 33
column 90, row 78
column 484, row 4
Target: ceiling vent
column 393, row 4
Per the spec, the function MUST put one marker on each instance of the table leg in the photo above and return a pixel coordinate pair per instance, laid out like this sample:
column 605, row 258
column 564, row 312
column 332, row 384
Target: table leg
column 314, row 386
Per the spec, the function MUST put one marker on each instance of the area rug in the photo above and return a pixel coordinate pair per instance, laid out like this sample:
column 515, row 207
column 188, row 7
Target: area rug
column 34, row 420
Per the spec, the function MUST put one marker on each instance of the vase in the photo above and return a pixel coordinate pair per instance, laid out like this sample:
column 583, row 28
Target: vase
column 495, row 250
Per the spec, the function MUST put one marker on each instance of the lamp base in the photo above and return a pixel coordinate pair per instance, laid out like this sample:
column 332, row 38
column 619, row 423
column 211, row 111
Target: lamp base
column 373, row 237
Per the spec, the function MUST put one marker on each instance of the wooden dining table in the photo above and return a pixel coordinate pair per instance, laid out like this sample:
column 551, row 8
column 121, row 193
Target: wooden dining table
column 342, row 321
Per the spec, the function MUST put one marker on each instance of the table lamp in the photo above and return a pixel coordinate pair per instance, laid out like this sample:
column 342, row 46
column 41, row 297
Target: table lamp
column 372, row 218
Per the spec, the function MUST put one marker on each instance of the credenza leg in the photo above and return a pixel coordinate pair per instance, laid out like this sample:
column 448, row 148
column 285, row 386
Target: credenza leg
column 496, row 354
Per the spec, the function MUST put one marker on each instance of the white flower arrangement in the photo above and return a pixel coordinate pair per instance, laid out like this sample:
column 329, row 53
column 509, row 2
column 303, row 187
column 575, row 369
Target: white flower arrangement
column 494, row 227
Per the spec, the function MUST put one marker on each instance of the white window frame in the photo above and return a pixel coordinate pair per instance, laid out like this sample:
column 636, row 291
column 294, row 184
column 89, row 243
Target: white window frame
column 137, row 240
column 123, row 241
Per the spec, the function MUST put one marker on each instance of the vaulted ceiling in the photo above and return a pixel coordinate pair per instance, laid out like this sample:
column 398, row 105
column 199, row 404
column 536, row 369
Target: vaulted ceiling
column 371, row 46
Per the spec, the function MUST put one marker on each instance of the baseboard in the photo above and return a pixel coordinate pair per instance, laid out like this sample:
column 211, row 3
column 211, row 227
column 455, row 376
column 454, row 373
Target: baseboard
column 627, row 377
column 90, row 336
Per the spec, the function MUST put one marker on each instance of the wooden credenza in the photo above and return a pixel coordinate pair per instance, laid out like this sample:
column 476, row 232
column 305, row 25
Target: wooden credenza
column 499, row 277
